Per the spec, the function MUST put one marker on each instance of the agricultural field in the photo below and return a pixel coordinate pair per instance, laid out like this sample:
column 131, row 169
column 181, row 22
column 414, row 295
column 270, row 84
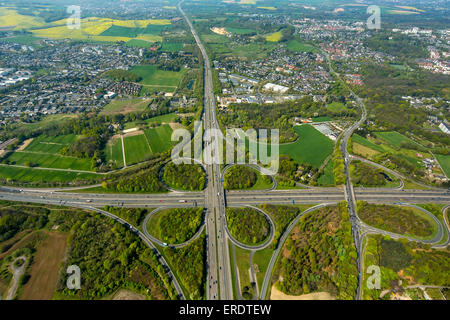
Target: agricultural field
column 397, row 140
column 156, row 79
column 139, row 148
column 312, row 147
column 240, row 30
column 159, row 138
column 171, row 46
column 274, row 37
column 113, row 152
column 45, row 152
column 444, row 161
column 11, row 18
column 104, row 29
column 125, row 106
column 11, row 174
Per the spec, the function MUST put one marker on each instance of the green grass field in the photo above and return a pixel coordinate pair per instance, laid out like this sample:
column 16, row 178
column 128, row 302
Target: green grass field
column 298, row 46
column 312, row 147
column 49, row 161
column 113, row 152
column 136, row 149
column 138, row 43
column 166, row 118
column 327, row 178
column 396, row 139
column 444, row 161
column 240, row 30
column 159, row 138
column 41, row 175
column 254, row 50
column 125, row 106
column 321, row 119
column 362, row 141
column 171, row 46
column 45, row 152
column 152, row 76
column 336, row 107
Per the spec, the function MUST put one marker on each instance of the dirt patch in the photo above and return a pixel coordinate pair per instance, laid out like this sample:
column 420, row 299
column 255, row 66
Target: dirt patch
column 133, row 133
column 175, row 126
column 278, row 295
column 25, row 144
column 364, row 151
column 123, row 294
column 45, row 268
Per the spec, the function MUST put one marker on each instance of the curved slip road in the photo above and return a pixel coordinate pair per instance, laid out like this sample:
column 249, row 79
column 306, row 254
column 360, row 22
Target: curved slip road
column 161, row 243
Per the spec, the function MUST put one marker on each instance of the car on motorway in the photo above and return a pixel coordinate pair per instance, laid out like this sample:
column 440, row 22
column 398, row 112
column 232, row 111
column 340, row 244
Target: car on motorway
column 164, row 244
column 182, row 201
column 88, row 200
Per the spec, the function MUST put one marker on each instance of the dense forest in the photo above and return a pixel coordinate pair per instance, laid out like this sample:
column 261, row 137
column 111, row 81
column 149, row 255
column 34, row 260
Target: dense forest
column 123, row 75
column 178, row 225
column 399, row 45
column 142, row 178
column 239, row 177
column 109, row 256
column 366, row 175
column 16, row 217
column 281, row 216
column 247, row 225
column 184, row 176
column 319, row 255
column 189, row 264
column 404, row 263
column 134, row 216
column 394, row 219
